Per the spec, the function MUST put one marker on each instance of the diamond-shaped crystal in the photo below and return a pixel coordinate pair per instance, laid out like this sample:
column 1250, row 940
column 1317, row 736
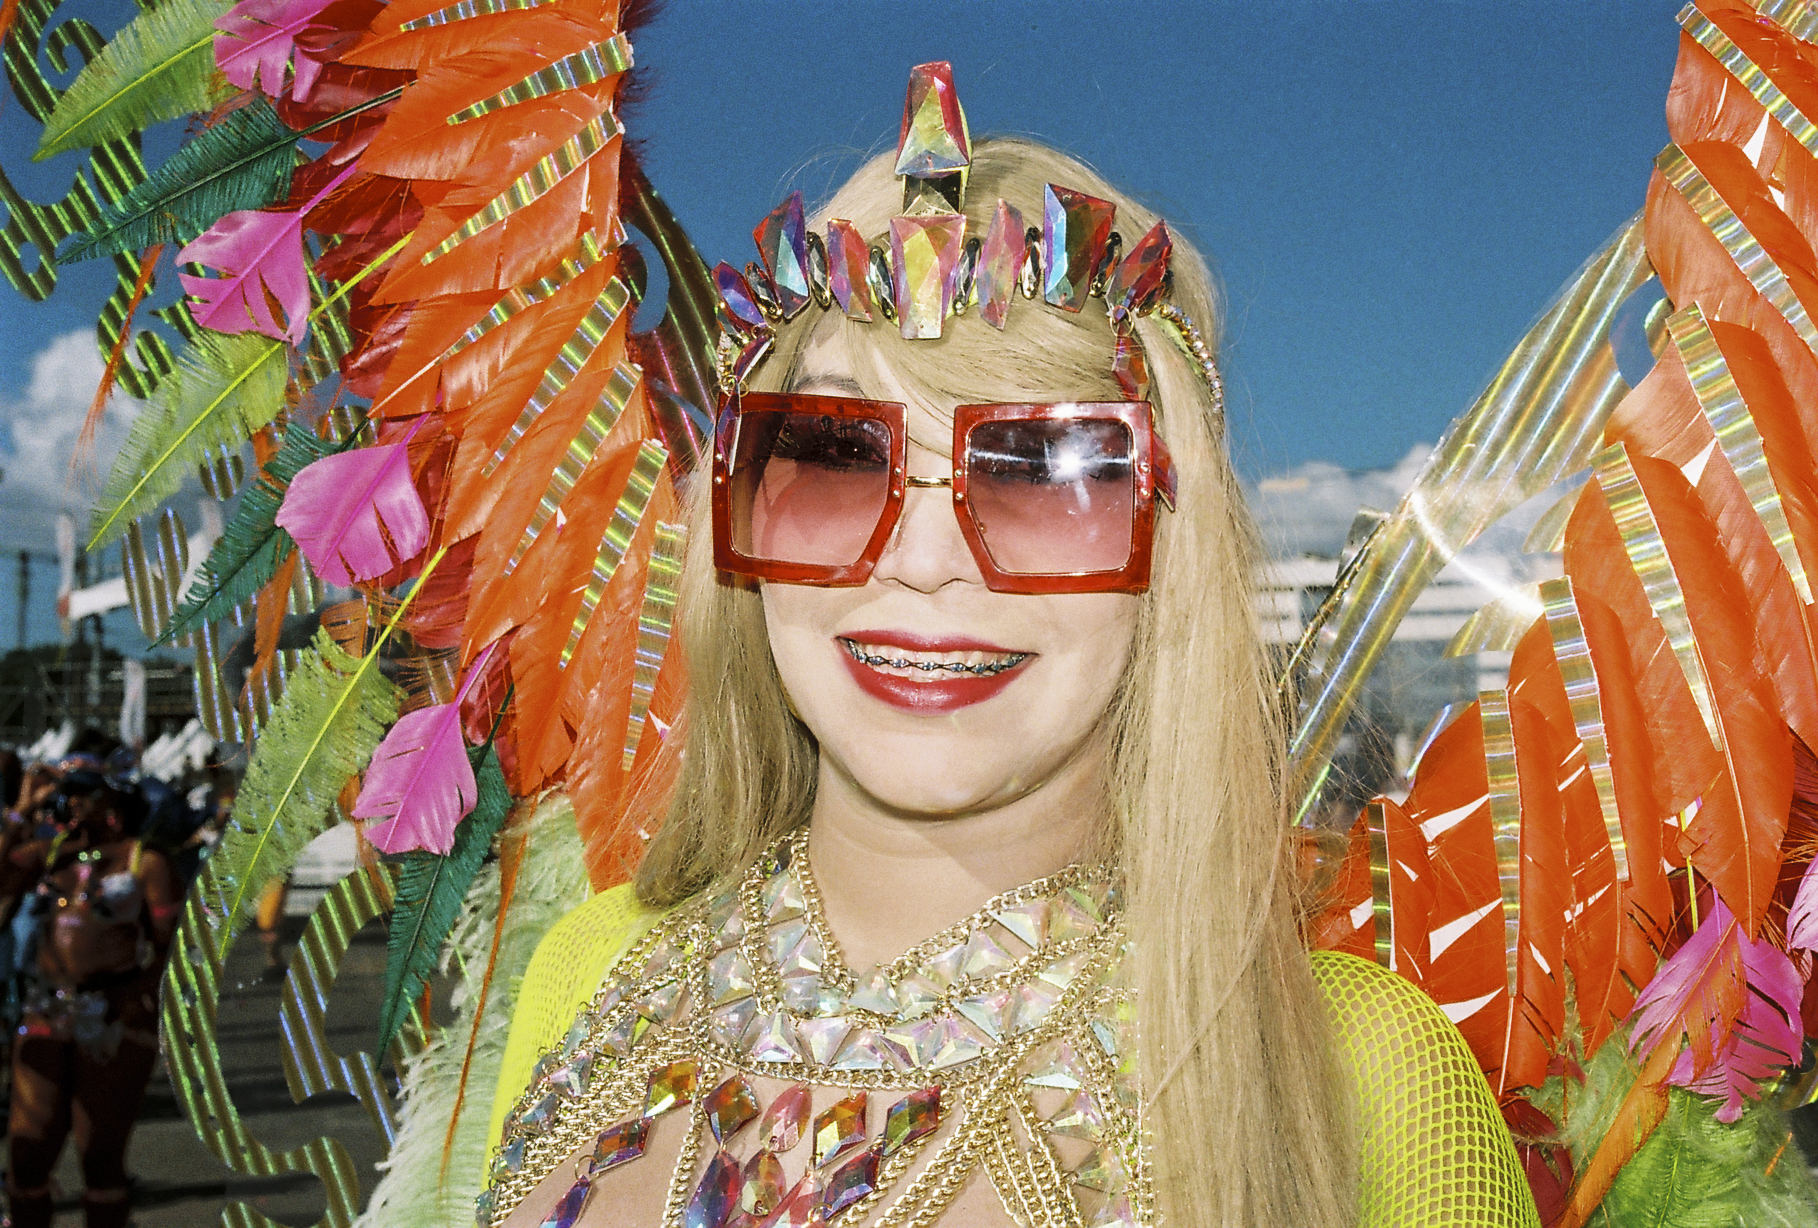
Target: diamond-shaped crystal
column 987, row 1012
column 1079, row 1118
column 783, row 899
column 850, row 1182
column 626, row 1031
column 839, row 1128
column 727, row 1023
column 934, row 139
column 670, row 1086
column 568, row 1210
column 924, row 251
column 729, row 976
column 786, row 1118
column 822, row 1035
column 738, row 312
column 771, row 1038
column 944, row 969
column 729, row 1107
column 956, row 1044
column 873, row 994
column 1061, row 1069
column 540, row 1116
column 784, row 938
column 782, row 241
column 571, row 1080
column 916, row 996
column 763, row 1189
column 864, row 1050
column 511, row 1157
column 1075, row 229
column 716, row 1199
column 847, row 260
column 1136, row 283
column 1000, row 264
column 914, row 1117
column 617, row 1144
column 482, row 1209
column 1099, row 1171
column 1130, row 367
column 985, row 958
column 801, row 1206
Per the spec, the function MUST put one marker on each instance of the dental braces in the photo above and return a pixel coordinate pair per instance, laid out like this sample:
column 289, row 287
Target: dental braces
column 983, row 668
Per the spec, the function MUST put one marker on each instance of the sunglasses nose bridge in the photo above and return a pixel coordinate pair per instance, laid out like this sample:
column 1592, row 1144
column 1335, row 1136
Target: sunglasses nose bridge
column 927, row 548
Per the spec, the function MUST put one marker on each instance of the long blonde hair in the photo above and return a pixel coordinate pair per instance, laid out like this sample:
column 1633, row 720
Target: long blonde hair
column 1247, row 1117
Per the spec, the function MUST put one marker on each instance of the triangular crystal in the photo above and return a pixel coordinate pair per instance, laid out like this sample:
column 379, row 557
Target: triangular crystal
column 727, row 1023
column 822, row 1036
column 873, row 994
column 985, row 958
column 1029, row 922
column 771, row 1038
column 987, row 1012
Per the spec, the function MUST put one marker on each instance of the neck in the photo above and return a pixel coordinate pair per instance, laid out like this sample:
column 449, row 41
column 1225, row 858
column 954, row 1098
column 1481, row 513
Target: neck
column 890, row 878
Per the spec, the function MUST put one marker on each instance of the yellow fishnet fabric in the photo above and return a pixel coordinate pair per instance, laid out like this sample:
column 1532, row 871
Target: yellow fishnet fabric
column 1434, row 1150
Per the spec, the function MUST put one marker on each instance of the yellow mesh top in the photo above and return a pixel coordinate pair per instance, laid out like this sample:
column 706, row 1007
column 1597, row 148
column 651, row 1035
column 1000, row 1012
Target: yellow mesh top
column 1434, row 1150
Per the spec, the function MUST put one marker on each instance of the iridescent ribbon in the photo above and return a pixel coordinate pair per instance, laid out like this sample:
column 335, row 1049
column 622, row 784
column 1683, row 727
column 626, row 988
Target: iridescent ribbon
column 585, row 67
column 466, row 9
column 587, row 254
column 1585, row 698
column 1737, row 434
column 578, row 455
column 1750, row 76
column 1505, row 815
column 655, row 616
column 626, row 517
column 1382, row 911
column 1796, row 17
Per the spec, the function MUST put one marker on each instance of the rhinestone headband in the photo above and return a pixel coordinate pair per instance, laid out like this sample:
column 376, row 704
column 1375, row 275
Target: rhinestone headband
column 933, row 270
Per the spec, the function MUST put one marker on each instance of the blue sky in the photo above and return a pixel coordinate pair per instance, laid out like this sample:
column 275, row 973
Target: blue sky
column 1389, row 193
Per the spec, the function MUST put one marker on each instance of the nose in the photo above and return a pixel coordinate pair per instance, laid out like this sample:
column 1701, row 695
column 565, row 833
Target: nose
column 926, row 550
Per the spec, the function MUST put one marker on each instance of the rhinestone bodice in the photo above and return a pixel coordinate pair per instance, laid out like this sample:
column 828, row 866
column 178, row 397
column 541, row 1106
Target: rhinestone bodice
column 1002, row 1044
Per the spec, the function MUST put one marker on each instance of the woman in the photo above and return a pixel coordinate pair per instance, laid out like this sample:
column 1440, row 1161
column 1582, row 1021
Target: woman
column 972, row 905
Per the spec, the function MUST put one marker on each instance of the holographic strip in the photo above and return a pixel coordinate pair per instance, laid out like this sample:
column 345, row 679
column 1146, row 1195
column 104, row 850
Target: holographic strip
column 1727, row 228
column 466, row 9
column 575, row 354
column 578, row 455
column 626, row 518
column 1573, row 653
column 1641, row 539
column 534, row 183
column 587, row 254
column 1505, row 815
column 1737, row 434
column 584, row 67
column 654, row 619
column 1750, row 76
column 1376, row 819
column 1796, row 17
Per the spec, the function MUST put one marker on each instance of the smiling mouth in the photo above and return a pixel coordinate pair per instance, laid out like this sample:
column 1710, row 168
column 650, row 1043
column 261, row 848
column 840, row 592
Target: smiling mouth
column 909, row 663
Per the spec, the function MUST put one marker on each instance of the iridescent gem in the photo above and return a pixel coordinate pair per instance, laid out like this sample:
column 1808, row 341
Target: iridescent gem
column 1061, row 972
column 1072, row 915
column 985, row 958
column 804, row 958
column 914, row 1117
column 801, row 992
column 482, row 1209
column 801, row 1207
column 916, row 996
column 934, row 139
column 762, row 290
column 662, row 956
column 1136, row 283
column 850, row 1182
column 864, row 1050
column 1129, row 366
column 839, row 1129
column 1029, row 922
column 783, row 898
column 784, row 938
column 873, row 994
column 817, row 272
column 771, row 1038
column 626, row 1031
column 786, row 1118
column 720, row 913
column 571, row 1080
column 540, row 1068
column 1079, row 1118
column 987, row 1012
column 762, row 1192
column 823, row 1035
column 511, row 1156
column 727, row 1023
column 923, row 253
column 944, row 969
column 617, row 1144
column 1060, row 1070
column 1075, row 230
column 580, row 1030
column 540, row 1116
column 729, row 1107
column 568, row 1210
column 670, row 1086
column 1116, row 1214
column 729, row 976
column 1101, row 1172
column 848, row 262
column 738, row 312
column 1000, row 264
column 716, row 1199
column 1106, row 1036
column 782, row 241
column 965, row 278
column 1034, row 1000
column 957, row 1044
column 663, row 1005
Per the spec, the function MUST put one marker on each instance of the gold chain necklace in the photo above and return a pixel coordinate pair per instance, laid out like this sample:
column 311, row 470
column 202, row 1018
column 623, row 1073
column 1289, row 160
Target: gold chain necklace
column 1000, row 1042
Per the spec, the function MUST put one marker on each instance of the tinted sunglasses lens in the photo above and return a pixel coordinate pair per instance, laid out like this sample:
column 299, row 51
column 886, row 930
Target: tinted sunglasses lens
column 1053, row 495
column 808, row 488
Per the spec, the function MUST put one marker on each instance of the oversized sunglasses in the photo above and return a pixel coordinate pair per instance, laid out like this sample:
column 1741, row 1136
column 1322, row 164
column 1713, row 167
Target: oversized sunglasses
column 1051, row 498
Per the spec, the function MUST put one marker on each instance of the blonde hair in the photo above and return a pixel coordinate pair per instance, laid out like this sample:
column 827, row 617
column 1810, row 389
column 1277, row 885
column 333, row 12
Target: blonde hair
column 1247, row 1118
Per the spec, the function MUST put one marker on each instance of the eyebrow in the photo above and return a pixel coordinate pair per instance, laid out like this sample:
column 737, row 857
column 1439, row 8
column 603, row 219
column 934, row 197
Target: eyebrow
column 839, row 383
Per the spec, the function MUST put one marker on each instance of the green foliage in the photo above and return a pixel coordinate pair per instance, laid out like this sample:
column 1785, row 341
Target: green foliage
column 158, row 67
column 224, row 389
column 243, row 162
column 333, row 713
column 252, row 546
column 430, row 893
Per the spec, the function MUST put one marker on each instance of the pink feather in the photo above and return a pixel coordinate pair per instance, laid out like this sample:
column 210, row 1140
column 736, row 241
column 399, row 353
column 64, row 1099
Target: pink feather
column 261, row 255
column 1802, row 917
column 420, row 782
column 341, row 509
column 257, row 41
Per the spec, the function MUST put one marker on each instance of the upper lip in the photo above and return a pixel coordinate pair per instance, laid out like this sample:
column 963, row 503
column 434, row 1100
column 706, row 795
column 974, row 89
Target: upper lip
column 915, row 642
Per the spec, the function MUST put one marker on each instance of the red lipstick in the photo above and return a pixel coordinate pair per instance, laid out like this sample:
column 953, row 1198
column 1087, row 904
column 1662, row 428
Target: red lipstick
column 943, row 691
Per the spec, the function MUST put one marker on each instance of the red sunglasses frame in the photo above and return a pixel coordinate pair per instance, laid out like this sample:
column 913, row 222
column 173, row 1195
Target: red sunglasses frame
column 1154, row 475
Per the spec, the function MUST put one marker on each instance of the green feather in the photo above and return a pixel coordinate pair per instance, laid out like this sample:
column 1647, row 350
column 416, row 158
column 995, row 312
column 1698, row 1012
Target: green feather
column 252, row 546
column 334, row 710
column 430, row 892
column 158, row 67
column 243, row 162
column 224, row 389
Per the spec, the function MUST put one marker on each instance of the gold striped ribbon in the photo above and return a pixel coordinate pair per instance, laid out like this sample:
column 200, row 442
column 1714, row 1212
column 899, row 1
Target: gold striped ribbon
column 1646, row 549
column 466, row 9
column 1505, row 815
column 534, row 183
column 584, row 67
column 655, row 617
column 1750, row 76
column 1376, row 819
column 1737, row 434
column 1579, row 672
column 578, row 455
column 588, row 253
column 626, row 518
column 575, row 354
